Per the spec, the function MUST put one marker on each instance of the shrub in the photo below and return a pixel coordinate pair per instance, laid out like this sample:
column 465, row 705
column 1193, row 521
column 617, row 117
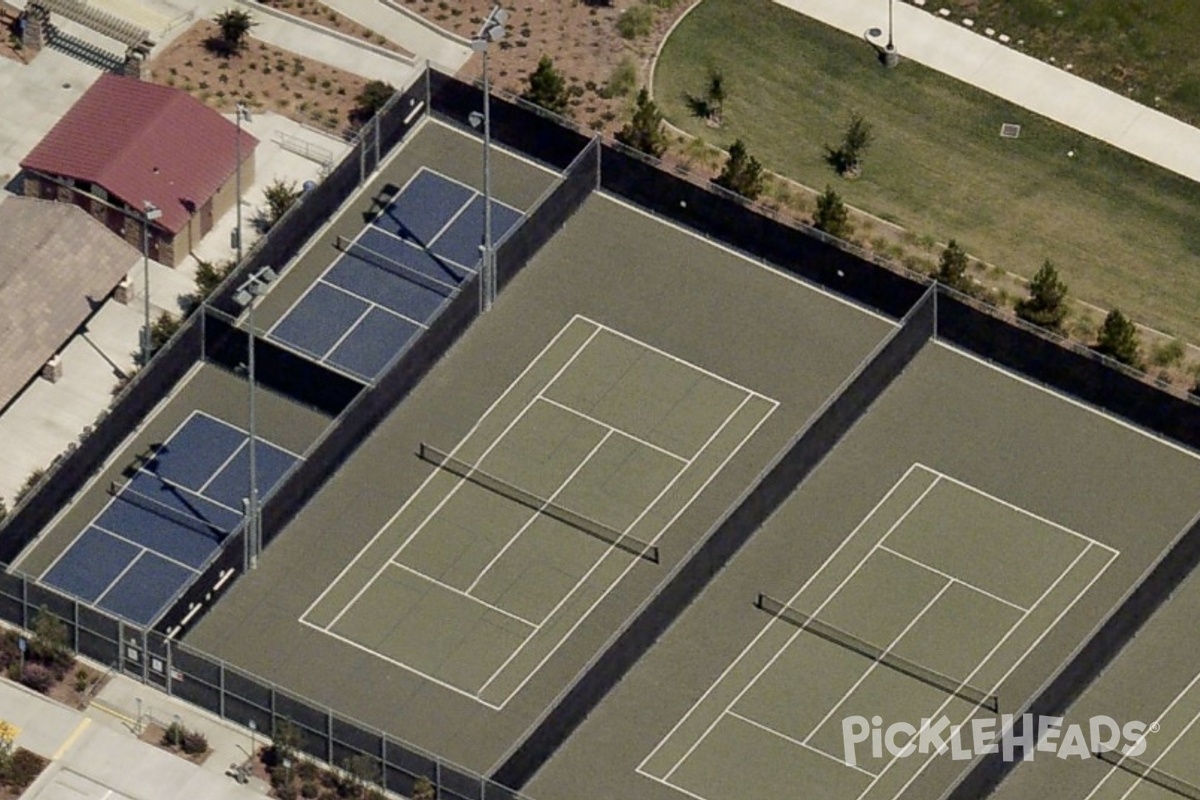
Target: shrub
column 547, row 88
column 81, row 680
column 742, row 172
column 623, row 79
column 31, row 481
column 24, row 768
column 37, row 676
column 636, row 22
column 1168, row 354
column 309, row 790
column 173, row 735
column 194, row 743
column 1118, row 338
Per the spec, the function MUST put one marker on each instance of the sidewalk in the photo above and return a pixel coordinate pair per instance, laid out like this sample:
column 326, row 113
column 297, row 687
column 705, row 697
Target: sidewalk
column 96, row 754
column 955, row 50
column 424, row 41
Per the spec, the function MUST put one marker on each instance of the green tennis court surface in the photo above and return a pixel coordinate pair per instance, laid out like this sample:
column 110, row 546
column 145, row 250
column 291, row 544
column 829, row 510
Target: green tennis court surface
column 475, row 590
column 937, row 575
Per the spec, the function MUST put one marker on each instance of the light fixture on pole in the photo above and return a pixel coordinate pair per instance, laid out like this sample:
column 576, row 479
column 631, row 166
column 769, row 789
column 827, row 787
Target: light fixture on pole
column 890, row 57
column 492, row 30
column 150, row 212
column 242, row 113
column 254, row 287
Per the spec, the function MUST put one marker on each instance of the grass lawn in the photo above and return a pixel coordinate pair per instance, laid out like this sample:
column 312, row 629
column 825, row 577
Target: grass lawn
column 1122, row 232
column 1145, row 49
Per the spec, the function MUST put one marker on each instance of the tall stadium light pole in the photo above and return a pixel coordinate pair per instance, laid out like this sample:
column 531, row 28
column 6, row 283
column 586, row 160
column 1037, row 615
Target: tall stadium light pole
column 254, row 287
column 150, row 212
column 242, row 113
column 492, row 30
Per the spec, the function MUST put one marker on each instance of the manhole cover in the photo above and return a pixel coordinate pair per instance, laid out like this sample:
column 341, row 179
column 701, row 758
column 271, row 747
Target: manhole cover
column 1010, row 130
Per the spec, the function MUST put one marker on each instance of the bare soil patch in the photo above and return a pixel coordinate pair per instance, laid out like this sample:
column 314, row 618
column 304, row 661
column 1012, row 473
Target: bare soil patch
column 264, row 77
column 582, row 39
column 321, row 14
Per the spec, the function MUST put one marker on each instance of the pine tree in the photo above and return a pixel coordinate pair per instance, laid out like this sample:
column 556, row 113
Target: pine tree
column 547, row 87
column 742, row 172
column 952, row 268
column 831, row 215
column 1118, row 338
column 644, row 132
column 1046, row 303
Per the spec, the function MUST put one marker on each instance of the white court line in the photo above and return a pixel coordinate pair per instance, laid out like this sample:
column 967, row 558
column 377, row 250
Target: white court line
column 763, row 631
column 616, row 430
column 1019, row 509
column 350, row 328
column 112, row 499
column 794, row 634
column 371, row 304
column 1163, row 754
column 487, row 413
column 749, row 259
column 951, row 578
column 678, row 360
column 461, row 593
column 143, row 547
column 1020, row 659
column 632, row 561
column 241, row 446
column 396, row 663
column 875, row 662
column 440, row 259
column 538, row 513
column 261, row 441
column 1157, row 721
column 670, row 785
column 1067, row 399
column 799, row 743
column 462, row 481
column 100, row 597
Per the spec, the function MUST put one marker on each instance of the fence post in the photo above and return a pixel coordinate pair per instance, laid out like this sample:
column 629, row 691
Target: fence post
column 170, row 669
column 221, row 680
column 377, row 140
column 75, row 609
column 24, row 602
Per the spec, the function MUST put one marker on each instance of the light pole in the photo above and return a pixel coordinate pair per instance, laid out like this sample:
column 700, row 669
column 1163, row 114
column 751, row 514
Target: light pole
column 242, row 113
column 492, row 30
column 254, row 287
column 890, row 57
column 150, row 212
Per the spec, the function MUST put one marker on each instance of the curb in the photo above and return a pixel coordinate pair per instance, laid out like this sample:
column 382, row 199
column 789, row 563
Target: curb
column 407, row 60
column 432, row 26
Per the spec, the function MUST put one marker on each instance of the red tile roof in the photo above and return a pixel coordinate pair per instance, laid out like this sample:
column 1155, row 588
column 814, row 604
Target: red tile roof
column 140, row 141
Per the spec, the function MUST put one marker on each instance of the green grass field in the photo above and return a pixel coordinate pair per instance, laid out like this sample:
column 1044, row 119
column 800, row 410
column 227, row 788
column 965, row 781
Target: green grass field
column 1122, row 231
column 1144, row 49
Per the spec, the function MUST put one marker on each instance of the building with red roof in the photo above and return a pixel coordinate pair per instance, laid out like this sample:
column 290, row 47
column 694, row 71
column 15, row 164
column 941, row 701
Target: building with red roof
column 126, row 143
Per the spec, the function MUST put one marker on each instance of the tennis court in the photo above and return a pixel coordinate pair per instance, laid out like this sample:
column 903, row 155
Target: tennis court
column 1169, row 767
column 391, row 278
column 922, row 612
column 518, row 531
column 165, row 518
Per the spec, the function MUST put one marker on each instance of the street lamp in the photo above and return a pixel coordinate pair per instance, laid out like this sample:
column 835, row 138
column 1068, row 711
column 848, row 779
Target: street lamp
column 890, row 57
column 492, row 30
column 150, row 212
column 242, row 113
column 254, row 287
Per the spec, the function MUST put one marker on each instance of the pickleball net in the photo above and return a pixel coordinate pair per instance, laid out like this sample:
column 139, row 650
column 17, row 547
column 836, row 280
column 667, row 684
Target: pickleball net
column 193, row 522
column 880, row 655
column 541, row 505
column 1150, row 774
column 389, row 264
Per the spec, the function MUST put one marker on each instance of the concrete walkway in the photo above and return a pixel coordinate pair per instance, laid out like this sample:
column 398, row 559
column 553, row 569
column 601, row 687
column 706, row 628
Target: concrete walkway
column 96, row 754
column 953, row 49
column 425, row 40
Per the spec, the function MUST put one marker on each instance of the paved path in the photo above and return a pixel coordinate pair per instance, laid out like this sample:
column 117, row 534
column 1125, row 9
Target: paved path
column 96, row 754
column 426, row 41
column 955, row 50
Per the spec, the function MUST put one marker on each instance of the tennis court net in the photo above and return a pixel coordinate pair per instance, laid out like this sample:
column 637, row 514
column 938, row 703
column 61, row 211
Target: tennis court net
column 1150, row 774
column 192, row 521
column 505, row 489
column 878, row 654
column 389, row 264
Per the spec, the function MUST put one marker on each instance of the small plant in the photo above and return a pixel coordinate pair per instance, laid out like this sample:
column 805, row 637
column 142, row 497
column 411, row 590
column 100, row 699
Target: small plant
column 1168, row 354
column 194, row 743
column 831, row 215
column 81, row 680
column 37, row 677
column 1118, row 338
column 952, row 268
column 173, row 735
column 235, row 25
column 547, row 88
column 164, row 327
column 636, row 22
column 742, row 172
column 31, row 481
column 309, row 790
column 645, row 131
column 846, row 158
column 370, row 100
column 281, row 195
column 1046, row 303
column 623, row 79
